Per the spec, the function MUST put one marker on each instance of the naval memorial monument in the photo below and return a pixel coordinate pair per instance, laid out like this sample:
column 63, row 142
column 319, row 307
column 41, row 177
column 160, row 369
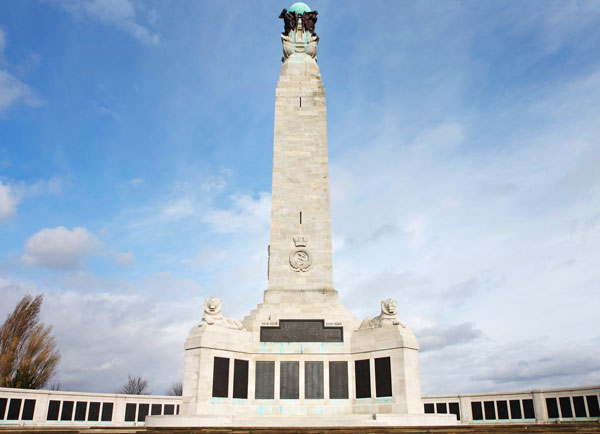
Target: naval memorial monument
column 300, row 358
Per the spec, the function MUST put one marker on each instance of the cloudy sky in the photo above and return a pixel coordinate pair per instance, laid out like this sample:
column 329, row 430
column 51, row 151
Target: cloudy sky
column 464, row 142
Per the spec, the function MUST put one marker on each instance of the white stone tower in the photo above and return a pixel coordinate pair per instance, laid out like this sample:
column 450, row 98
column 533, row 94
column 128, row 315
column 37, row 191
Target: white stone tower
column 300, row 352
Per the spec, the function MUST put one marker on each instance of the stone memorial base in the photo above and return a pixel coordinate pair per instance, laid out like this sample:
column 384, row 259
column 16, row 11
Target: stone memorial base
column 301, row 359
column 354, row 420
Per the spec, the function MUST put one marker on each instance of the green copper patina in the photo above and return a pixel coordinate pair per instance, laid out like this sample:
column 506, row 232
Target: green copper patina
column 299, row 8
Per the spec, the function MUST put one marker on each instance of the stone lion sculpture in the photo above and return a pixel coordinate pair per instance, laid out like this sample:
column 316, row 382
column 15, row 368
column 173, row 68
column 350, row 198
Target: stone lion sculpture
column 387, row 317
column 213, row 315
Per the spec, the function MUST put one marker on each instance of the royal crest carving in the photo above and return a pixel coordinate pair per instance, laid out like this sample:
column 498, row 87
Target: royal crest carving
column 387, row 317
column 214, row 317
column 300, row 260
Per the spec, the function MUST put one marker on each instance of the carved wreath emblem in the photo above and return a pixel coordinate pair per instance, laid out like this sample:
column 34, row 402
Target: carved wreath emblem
column 300, row 260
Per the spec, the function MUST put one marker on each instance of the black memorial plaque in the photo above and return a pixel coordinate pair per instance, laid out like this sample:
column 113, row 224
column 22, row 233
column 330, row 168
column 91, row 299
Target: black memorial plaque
column 3, row 404
column 169, row 409
column 240, row 379
column 313, row 380
column 53, row 408
column 130, row 408
column 289, row 380
column 338, row 380
column 301, row 330
column 80, row 409
column 143, row 410
column 220, row 378
column 156, row 409
column 362, row 375
column 383, row 377
column 67, row 410
column 107, row 411
column 264, row 387
column 28, row 409
column 94, row 412
column 14, row 408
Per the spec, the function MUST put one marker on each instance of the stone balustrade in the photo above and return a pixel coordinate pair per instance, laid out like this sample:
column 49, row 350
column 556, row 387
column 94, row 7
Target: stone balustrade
column 571, row 404
column 55, row 408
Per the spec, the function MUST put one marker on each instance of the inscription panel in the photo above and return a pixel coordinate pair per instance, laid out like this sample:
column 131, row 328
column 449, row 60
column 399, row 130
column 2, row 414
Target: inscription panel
column 338, row 380
column 313, row 380
column 264, row 386
column 220, row 377
column 362, row 375
column 289, row 380
column 305, row 330
column 383, row 377
column 240, row 379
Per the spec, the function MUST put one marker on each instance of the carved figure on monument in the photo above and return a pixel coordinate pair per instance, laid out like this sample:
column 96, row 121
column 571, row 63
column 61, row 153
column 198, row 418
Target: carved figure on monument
column 213, row 315
column 388, row 316
column 298, row 34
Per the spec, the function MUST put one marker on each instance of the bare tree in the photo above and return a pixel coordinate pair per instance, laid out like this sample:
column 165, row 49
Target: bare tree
column 176, row 389
column 28, row 354
column 135, row 386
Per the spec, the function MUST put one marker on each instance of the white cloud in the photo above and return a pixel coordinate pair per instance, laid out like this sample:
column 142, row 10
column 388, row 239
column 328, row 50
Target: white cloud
column 119, row 13
column 127, row 258
column 13, row 91
column 135, row 182
column 247, row 214
column 60, row 248
column 2, row 41
column 8, row 202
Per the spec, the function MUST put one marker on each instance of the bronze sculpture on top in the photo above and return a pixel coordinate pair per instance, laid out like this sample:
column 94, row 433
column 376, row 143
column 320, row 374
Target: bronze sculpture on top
column 298, row 34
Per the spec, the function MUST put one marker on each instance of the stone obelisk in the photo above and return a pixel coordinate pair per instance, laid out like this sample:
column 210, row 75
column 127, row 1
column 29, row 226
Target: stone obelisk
column 300, row 358
column 300, row 247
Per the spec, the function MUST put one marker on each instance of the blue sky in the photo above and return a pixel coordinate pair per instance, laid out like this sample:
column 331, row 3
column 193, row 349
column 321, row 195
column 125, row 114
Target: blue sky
column 135, row 175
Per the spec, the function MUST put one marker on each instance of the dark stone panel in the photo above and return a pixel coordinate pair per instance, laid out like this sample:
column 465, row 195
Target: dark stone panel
column 177, row 409
column 293, row 330
column 94, row 411
column 220, row 377
column 80, row 409
column 528, row 409
column 156, row 409
column 264, row 385
column 440, row 408
column 240, row 379
column 552, row 408
column 383, row 377
column 3, row 402
column 28, row 409
column 143, row 410
column 53, row 407
column 579, row 404
column 476, row 410
column 593, row 407
column 107, row 411
column 67, row 410
column 169, row 409
column 14, row 408
column 313, row 380
column 565, row 406
column 429, row 408
column 455, row 409
column 362, row 376
column 515, row 409
column 289, row 380
column 130, row 412
column 490, row 410
column 338, row 380
column 502, row 409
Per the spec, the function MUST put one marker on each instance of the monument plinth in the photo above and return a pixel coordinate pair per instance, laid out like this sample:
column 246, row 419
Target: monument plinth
column 300, row 352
